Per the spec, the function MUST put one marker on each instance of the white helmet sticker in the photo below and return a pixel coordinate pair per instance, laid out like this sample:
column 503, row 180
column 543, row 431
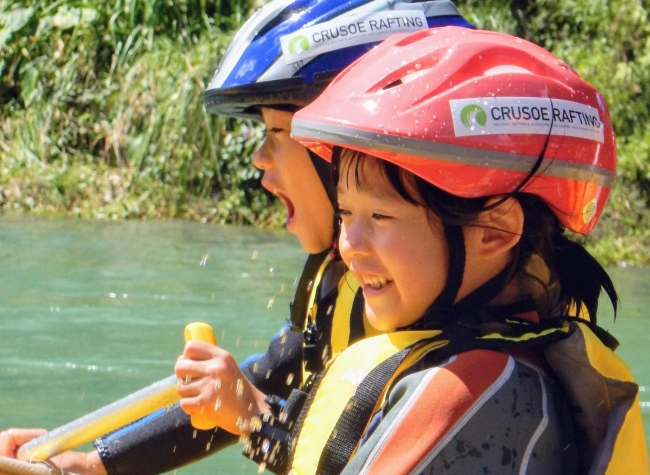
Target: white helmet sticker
column 349, row 30
column 525, row 115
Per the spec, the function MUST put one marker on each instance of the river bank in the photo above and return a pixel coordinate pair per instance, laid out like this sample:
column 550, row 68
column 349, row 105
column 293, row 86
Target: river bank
column 101, row 113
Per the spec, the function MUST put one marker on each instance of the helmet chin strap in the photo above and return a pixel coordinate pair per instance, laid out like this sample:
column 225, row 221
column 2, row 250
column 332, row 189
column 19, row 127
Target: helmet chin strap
column 445, row 309
column 456, row 267
column 324, row 171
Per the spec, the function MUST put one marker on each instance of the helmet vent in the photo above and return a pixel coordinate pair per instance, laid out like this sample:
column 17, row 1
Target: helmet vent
column 506, row 69
column 393, row 84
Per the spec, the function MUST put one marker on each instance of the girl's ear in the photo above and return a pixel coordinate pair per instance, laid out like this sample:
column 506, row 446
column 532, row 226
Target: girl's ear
column 500, row 227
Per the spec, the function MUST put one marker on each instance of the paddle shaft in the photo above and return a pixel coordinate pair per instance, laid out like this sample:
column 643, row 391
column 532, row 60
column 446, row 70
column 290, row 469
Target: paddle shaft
column 102, row 421
column 120, row 413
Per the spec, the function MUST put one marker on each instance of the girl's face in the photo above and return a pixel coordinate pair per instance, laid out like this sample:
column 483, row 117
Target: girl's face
column 396, row 250
column 290, row 175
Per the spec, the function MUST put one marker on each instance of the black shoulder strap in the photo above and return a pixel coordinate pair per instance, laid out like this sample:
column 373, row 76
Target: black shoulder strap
column 357, row 330
column 352, row 424
column 301, row 299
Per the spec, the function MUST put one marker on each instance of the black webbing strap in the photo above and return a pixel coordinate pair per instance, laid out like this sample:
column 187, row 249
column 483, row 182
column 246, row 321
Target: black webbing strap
column 297, row 426
column 300, row 304
column 357, row 330
column 353, row 422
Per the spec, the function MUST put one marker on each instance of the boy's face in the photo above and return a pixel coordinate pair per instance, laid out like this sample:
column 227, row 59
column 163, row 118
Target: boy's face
column 396, row 251
column 290, row 175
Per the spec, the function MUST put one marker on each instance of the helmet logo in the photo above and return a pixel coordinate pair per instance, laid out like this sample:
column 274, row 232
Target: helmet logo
column 526, row 115
column 472, row 113
column 298, row 44
column 347, row 30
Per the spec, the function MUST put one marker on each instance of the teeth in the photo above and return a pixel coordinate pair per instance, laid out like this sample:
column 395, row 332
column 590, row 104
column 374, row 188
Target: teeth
column 376, row 282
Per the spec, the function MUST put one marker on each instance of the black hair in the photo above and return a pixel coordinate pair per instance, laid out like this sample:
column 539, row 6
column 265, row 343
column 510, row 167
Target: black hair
column 575, row 278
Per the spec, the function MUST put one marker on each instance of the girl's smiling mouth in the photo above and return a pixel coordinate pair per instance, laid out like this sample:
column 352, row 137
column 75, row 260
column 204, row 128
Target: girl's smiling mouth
column 375, row 282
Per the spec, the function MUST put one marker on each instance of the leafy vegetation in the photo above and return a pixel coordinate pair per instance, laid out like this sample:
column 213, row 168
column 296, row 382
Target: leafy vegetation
column 102, row 112
column 101, row 107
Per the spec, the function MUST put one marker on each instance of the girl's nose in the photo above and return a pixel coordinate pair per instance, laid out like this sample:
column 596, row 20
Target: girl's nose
column 354, row 238
column 262, row 159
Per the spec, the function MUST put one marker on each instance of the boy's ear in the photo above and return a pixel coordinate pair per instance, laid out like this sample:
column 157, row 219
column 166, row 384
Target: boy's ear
column 500, row 227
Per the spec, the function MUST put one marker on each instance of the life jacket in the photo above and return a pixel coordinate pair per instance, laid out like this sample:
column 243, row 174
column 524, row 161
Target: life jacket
column 334, row 416
column 601, row 386
column 329, row 309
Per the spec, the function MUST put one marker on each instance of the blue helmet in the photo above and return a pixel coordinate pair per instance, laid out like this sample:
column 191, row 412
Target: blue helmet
column 287, row 53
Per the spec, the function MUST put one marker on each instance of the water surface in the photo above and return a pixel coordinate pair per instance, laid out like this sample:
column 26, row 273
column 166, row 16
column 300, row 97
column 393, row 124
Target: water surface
column 93, row 311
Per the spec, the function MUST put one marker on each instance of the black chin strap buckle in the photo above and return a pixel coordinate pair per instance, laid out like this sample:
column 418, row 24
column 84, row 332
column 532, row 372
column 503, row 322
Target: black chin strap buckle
column 315, row 351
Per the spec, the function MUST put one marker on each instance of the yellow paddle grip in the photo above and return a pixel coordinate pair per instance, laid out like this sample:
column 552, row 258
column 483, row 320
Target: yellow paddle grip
column 199, row 331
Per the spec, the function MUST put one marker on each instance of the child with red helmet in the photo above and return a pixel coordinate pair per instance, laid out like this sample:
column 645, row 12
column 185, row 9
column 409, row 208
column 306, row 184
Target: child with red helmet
column 462, row 158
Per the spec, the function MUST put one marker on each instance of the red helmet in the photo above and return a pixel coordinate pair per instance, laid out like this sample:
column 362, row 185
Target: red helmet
column 472, row 112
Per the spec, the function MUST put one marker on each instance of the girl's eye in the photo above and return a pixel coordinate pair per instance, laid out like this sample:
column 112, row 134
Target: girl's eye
column 275, row 130
column 380, row 217
column 343, row 212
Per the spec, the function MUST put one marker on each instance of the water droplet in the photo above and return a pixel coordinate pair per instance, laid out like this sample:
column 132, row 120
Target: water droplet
column 271, row 271
column 254, row 255
column 240, row 388
column 217, row 404
column 289, row 379
column 262, row 466
column 194, row 434
column 204, row 259
column 248, row 446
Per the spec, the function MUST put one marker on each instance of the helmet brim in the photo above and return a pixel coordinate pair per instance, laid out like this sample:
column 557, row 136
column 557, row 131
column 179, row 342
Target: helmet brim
column 245, row 102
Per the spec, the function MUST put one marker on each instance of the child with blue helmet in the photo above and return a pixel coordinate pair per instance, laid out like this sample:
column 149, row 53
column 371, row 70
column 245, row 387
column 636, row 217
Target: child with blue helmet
column 280, row 60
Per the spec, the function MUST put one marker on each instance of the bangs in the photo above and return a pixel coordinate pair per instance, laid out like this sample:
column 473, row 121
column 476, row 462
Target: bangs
column 351, row 165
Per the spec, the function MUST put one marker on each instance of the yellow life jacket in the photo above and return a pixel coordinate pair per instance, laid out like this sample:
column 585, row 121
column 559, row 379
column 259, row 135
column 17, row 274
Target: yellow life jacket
column 602, row 386
column 340, row 382
column 595, row 378
column 340, row 311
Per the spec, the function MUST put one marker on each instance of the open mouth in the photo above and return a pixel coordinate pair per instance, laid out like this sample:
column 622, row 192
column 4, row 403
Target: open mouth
column 289, row 205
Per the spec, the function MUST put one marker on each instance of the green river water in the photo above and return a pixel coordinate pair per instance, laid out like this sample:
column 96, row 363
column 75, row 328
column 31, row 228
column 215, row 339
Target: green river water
column 93, row 311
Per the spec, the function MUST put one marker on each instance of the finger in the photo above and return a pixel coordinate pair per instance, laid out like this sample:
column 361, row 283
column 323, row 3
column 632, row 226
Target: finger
column 199, row 350
column 193, row 405
column 12, row 439
column 191, row 389
column 189, row 370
